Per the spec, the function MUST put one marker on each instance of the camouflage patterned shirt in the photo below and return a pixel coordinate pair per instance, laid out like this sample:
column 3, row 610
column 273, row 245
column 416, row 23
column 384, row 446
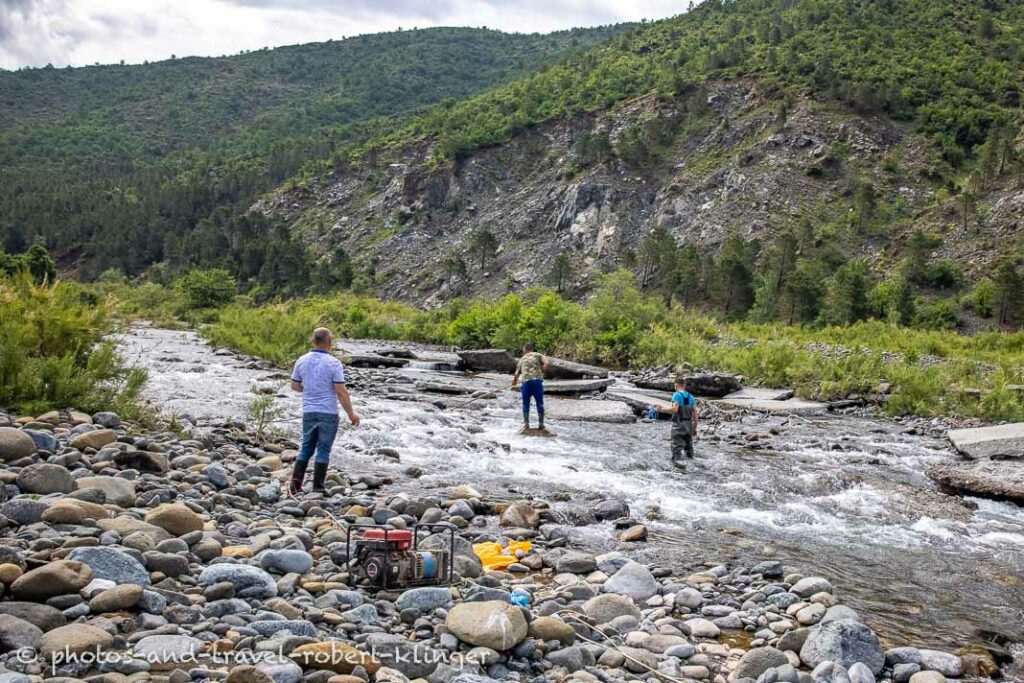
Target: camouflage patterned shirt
column 530, row 367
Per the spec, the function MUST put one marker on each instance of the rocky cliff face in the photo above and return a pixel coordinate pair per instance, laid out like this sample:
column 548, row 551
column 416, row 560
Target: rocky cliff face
column 717, row 161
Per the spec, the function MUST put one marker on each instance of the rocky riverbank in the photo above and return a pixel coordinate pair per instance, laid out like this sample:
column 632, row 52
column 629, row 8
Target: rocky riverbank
column 131, row 555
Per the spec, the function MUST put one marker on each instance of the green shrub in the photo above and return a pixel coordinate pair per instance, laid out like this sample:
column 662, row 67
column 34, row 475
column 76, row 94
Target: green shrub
column 206, row 288
column 52, row 352
column 939, row 315
column 984, row 298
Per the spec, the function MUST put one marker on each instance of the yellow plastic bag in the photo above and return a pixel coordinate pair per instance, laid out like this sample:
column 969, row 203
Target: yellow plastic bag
column 493, row 556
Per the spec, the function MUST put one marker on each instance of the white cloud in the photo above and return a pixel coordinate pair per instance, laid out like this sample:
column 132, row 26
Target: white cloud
column 77, row 32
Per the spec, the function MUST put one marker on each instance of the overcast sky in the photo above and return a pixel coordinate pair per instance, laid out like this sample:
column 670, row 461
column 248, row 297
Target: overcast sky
column 77, row 32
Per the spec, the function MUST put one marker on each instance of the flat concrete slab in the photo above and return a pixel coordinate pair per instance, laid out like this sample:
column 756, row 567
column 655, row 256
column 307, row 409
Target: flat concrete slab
column 444, row 387
column 559, row 368
column 706, row 384
column 762, row 394
column 588, row 411
column 1001, row 441
column 999, row 479
column 488, row 360
column 555, row 387
column 639, row 400
column 575, row 387
column 794, row 406
column 372, row 360
column 656, row 383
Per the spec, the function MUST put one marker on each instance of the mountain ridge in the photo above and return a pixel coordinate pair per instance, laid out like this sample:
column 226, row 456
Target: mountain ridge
column 89, row 155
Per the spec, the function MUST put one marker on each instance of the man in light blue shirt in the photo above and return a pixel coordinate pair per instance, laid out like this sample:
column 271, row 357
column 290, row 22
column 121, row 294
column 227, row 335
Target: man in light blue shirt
column 320, row 377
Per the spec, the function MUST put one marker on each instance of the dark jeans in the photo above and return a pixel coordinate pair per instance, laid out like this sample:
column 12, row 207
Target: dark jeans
column 533, row 388
column 318, row 432
column 682, row 440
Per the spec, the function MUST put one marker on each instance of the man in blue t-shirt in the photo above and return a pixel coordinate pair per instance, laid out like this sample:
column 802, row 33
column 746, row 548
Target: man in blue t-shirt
column 684, row 422
column 320, row 377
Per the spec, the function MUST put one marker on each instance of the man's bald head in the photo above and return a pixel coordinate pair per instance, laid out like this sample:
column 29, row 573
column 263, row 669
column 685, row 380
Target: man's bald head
column 322, row 338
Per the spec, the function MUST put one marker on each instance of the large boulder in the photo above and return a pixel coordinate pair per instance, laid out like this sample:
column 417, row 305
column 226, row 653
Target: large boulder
column 550, row 628
column 945, row 663
column 634, row 581
column 249, row 581
column 808, row 586
column 126, row 526
column 424, row 600
column 520, row 515
column 175, row 519
column 845, row 642
column 610, row 508
column 143, row 461
column 559, row 368
column 608, row 606
column 995, row 442
column 95, row 439
column 111, row 564
column 712, row 384
column 117, row 490
column 44, row 617
column 17, row 633
column 286, row 561
column 59, row 577
column 755, row 662
column 75, row 638
column 24, row 510
column 45, row 479
column 488, row 360
column 15, row 444
column 117, row 598
column 494, row 624
column 44, row 440
column 998, row 479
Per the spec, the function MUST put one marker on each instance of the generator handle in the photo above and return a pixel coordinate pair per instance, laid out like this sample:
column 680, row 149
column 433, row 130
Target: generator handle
column 432, row 528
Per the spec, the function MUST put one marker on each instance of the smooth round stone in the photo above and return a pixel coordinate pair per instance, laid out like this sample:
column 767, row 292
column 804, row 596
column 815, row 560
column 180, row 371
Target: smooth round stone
column 287, row 561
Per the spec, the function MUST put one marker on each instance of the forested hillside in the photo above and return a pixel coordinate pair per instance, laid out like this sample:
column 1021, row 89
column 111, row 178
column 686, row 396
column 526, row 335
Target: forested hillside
column 801, row 160
column 116, row 166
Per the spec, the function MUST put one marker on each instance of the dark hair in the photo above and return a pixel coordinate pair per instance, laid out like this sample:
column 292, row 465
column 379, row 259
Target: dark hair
column 682, row 381
column 528, row 346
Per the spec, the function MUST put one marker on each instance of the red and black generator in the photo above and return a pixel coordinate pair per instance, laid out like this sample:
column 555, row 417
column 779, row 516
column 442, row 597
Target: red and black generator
column 385, row 558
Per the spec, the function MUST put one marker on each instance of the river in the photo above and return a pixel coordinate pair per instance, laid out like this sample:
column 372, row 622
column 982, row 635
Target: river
column 840, row 496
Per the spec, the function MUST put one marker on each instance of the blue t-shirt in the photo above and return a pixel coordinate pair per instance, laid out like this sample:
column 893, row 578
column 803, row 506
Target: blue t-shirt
column 319, row 372
column 683, row 398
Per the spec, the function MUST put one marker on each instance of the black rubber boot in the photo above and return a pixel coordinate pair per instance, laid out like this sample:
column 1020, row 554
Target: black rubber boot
column 526, row 420
column 298, row 475
column 319, row 476
column 540, row 417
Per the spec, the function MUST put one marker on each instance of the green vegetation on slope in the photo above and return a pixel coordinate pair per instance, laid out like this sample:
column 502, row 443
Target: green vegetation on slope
column 929, row 370
column 950, row 65
column 125, row 166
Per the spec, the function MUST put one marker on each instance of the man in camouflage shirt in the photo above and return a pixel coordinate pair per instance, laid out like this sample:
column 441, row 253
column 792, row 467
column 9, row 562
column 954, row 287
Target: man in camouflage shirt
column 531, row 368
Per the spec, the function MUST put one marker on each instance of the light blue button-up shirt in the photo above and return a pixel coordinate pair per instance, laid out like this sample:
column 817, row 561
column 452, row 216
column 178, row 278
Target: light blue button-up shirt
column 319, row 372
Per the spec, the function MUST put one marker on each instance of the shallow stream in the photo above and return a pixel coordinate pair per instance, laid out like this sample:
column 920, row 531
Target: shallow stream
column 840, row 496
